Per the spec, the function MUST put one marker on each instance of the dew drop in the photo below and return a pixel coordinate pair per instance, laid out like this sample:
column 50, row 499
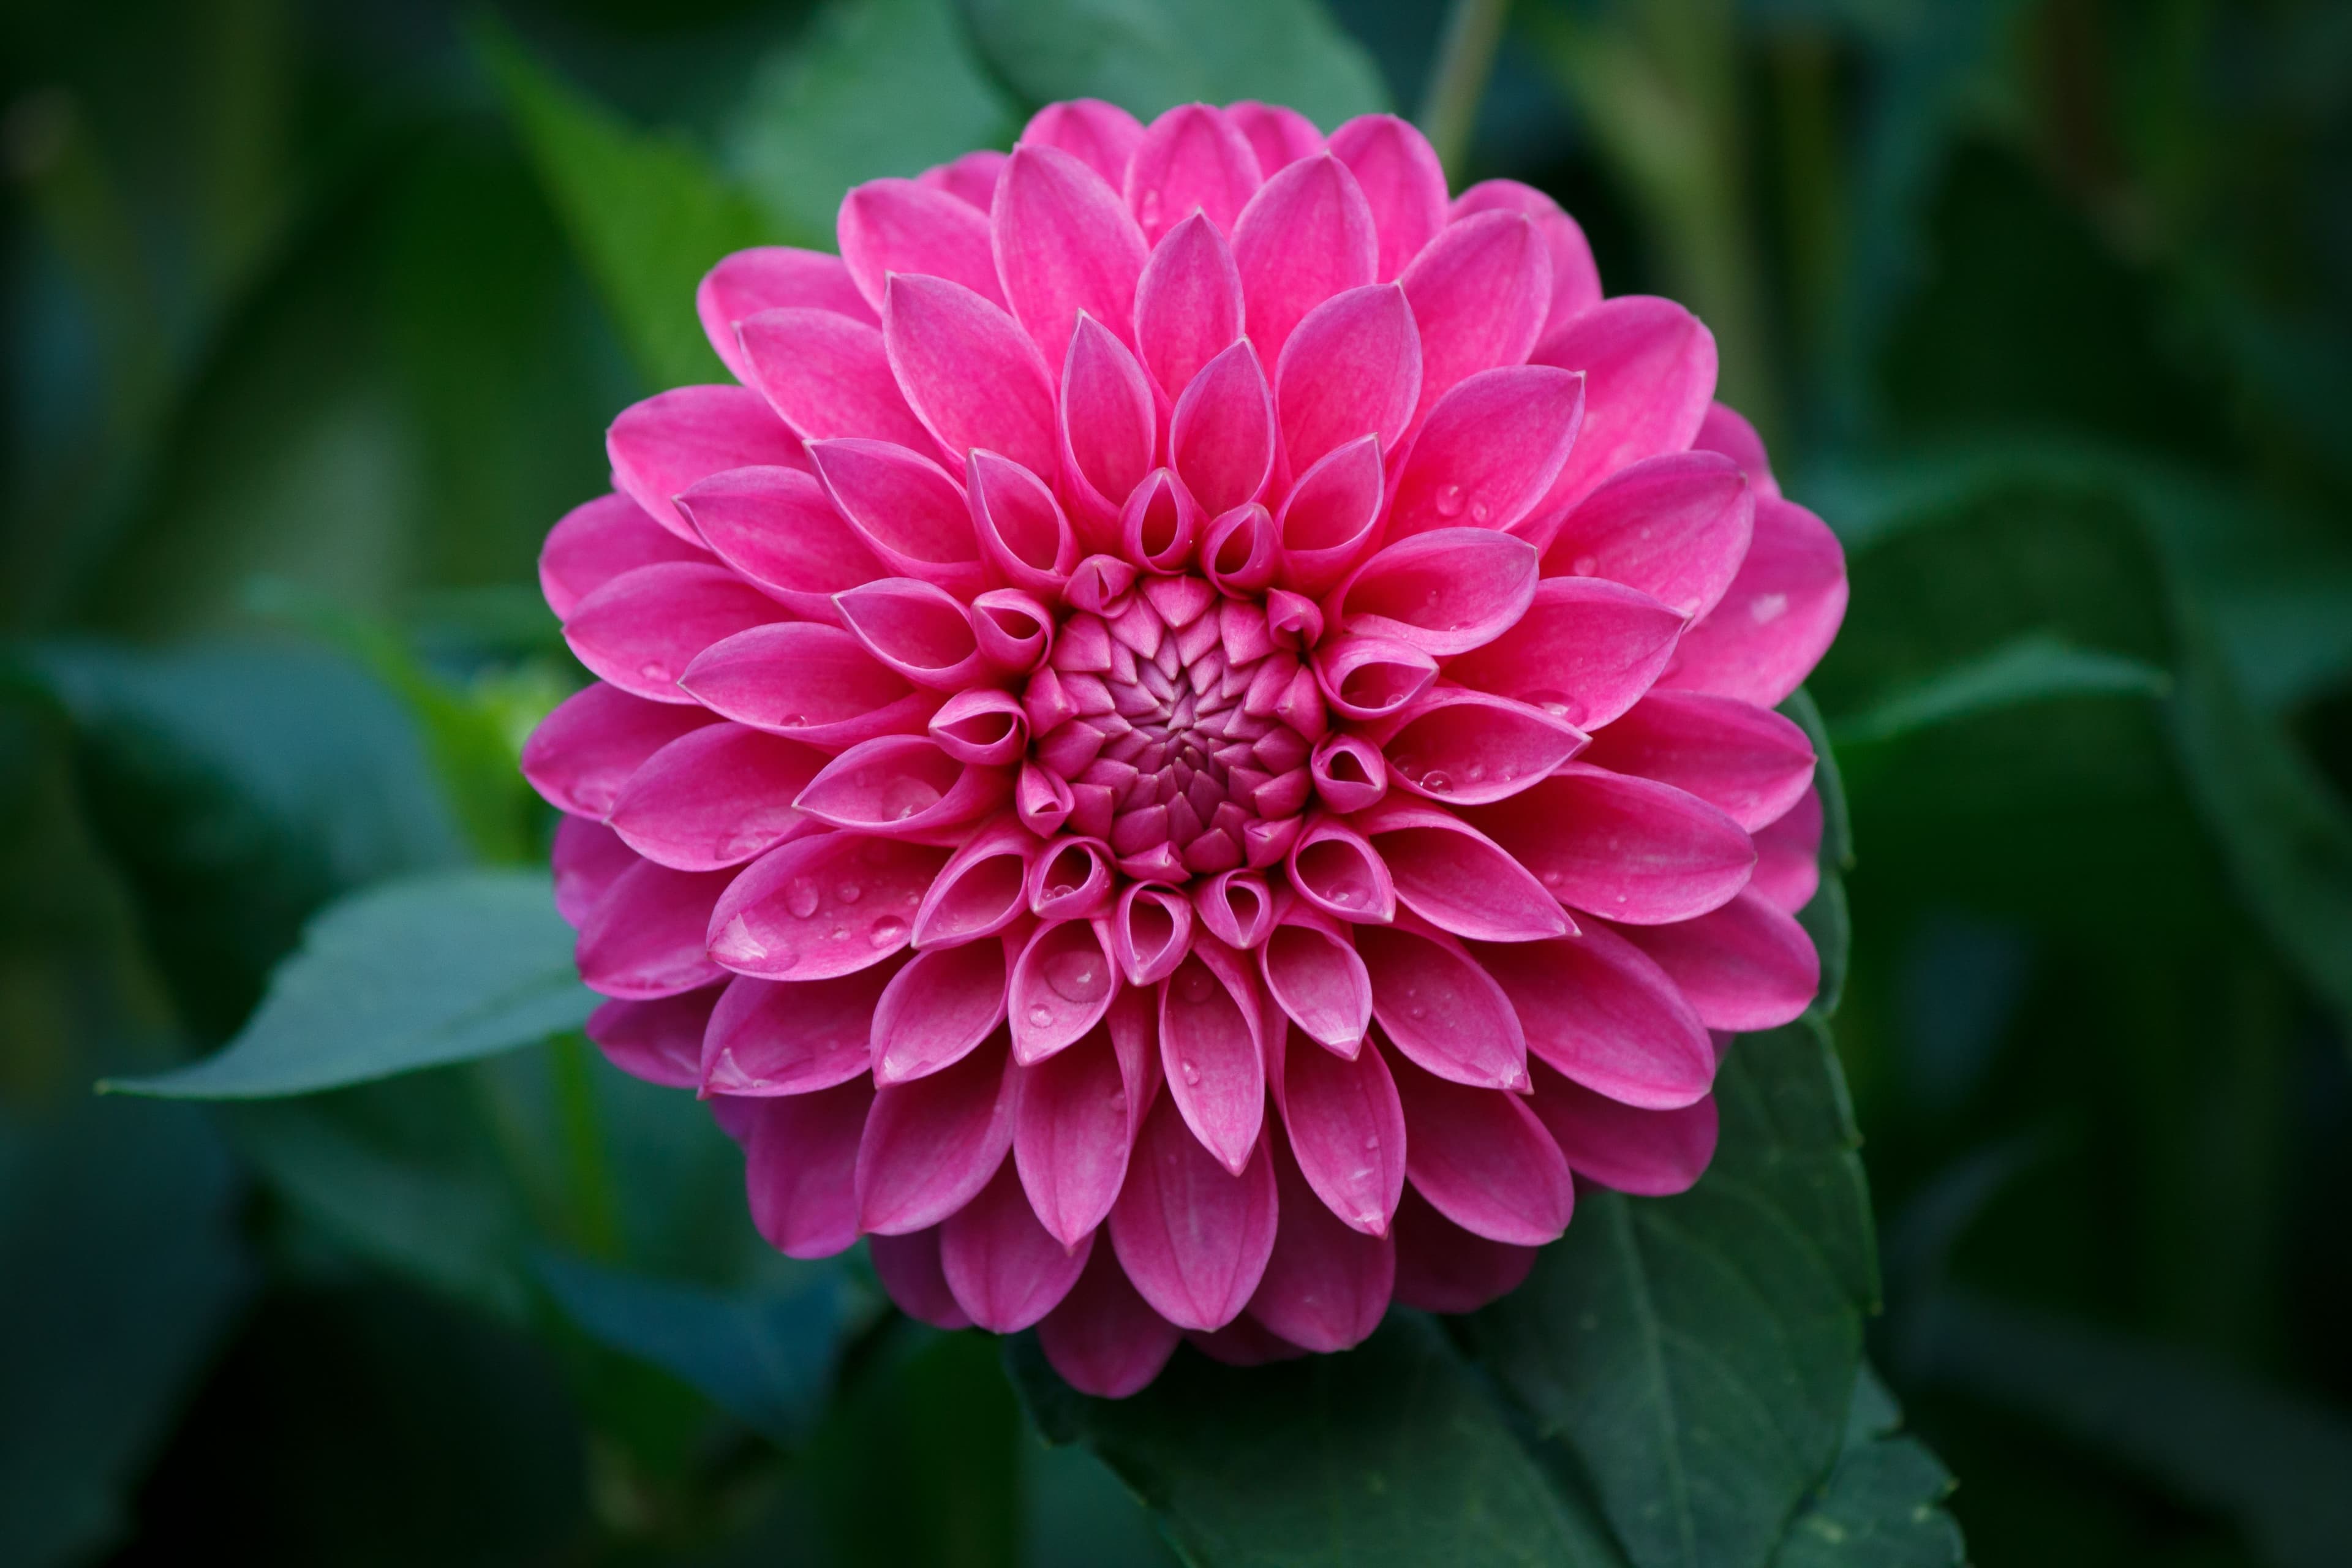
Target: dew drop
column 655, row 670
column 1372, row 1141
column 1191, row 1073
column 736, row 941
column 1475, row 772
column 1437, row 781
column 849, row 892
column 1079, row 975
column 1148, row 209
column 1585, row 565
column 1450, row 501
column 1559, row 704
column 838, row 932
column 1041, row 1015
column 1416, row 1010
column 1480, row 511
column 888, row 931
column 792, row 721
column 800, row 898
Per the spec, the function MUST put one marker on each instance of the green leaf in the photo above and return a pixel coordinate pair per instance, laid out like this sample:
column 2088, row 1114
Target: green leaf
column 1391, row 1453
column 1882, row 1507
column 415, row 973
column 767, row 1358
column 647, row 213
column 876, row 88
column 2029, row 668
column 1147, row 56
column 1825, row 916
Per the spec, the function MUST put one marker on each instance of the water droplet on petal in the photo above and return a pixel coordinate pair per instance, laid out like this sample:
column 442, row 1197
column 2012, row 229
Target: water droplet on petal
column 849, row 892
column 1041, row 1015
column 655, row 670
column 1371, row 1141
column 1480, row 511
column 1585, row 565
column 1436, row 781
column 888, row 931
column 1191, row 1073
column 1450, row 501
column 1080, row 975
column 800, row 898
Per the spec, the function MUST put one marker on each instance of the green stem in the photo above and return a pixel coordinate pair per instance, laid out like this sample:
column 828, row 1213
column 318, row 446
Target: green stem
column 1449, row 112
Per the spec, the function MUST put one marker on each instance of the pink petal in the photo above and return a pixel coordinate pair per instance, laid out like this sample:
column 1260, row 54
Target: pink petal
column 1330, row 518
column 1021, row 529
column 1221, row 436
column 1100, row 135
column 659, row 1041
column 1652, row 1153
column 799, row 1165
column 1192, row 1236
column 936, row 1010
column 583, row 752
column 1789, row 855
column 979, row 891
column 1488, row 451
column 970, row 178
column 930, row 1145
column 1240, row 552
column 1483, row 1160
column 1598, row 1009
column 1236, row 908
column 1441, row 1008
column 1367, row 677
column 1110, row 424
column 814, row 683
column 1105, row 1339
column 588, row 858
column 1338, row 872
column 1349, row 773
column 1352, row 368
column 823, row 906
column 1748, row 761
column 1061, row 988
column 1151, row 932
column 771, row 277
column 1748, row 965
column 790, row 1037
column 982, row 725
column 1064, row 245
column 1775, row 619
column 969, row 373
column 1308, row 234
column 598, row 541
column 1458, row 879
column 1325, row 1286
column 1444, row 592
column 1677, row 527
column 714, row 797
column 1159, row 524
column 1347, row 1132
column 1585, row 651
column 1313, row 972
column 1212, row 1049
column 1402, row 181
column 1466, row 747
column 1575, row 282
column 778, row 527
column 898, row 225
column 1281, row 136
column 1191, row 159
column 909, row 1266
column 827, row 376
column 1632, row 850
column 905, row 508
column 1005, row 1269
column 1649, row 369
column 1726, row 431
column 641, row 630
column 917, row 628
column 1479, row 294
column 1441, row 1267
column 661, row 446
column 1188, row 303
column 645, row 937
column 1075, row 1124
column 1072, row 880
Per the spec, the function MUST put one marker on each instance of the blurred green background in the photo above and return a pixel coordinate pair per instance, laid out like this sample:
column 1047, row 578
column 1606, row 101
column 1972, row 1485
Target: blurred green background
column 312, row 316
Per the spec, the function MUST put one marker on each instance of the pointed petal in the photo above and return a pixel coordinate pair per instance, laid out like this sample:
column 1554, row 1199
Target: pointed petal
column 1677, row 527
column 1188, row 303
column 1111, row 425
column 1585, row 651
column 918, row 629
column 1151, row 930
column 931, row 1144
column 1441, row 1267
column 1775, row 619
column 644, row 628
column 1458, row 879
column 1192, row 1236
column 1368, row 677
column 771, row 277
column 1649, row 370
column 1483, row 1160
column 1100, row 135
column 645, row 937
column 936, row 1010
column 1221, row 436
column 1336, row 870
column 1402, row 181
column 1005, row 1270
column 584, row 752
column 1575, row 282
column 1280, row 136
column 1488, row 451
column 1305, row 236
column 909, row 1266
column 1632, row 850
column 1191, row 159
column 1726, row 431
column 822, row 906
column 1748, row 761
column 1748, row 965
column 596, row 541
column 1064, row 243
column 1074, row 1126
column 715, row 797
column 1023, row 530
column 1479, row 295
column 1313, row 972
column 778, row 527
column 978, row 892
column 588, row 858
column 659, row 1041
column 1650, row 1153
column 1599, row 1010
column 1236, row 908
column 826, row 375
column 1441, row 1008
column 1330, row 518
column 814, row 683
column 1466, row 747
column 784, row 1037
column 1062, row 986
column 898, row 225
column 969, row 372
column 1789, row 855
column 970, row 178
column 1352, row 368
column 1325, row 1286
column 1345, row 1127
column 1444, row 592
column 659, row 446
column 1104, row 1339
column 798, row 1168
column 1213, row 1050
column 906, row 508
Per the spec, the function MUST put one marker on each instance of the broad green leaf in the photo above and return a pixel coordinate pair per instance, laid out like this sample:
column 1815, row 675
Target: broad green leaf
column 1825, row 917
column 647, row 213
column 766, row 1357
column 1391, row 1453
column 875, row 88
column 1151, row 55
column 1881, row 1508
column 415, row 973
column 2030, row 668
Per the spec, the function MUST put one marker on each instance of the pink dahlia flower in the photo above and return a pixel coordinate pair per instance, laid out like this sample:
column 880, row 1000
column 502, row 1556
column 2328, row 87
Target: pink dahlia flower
column 1193, row 747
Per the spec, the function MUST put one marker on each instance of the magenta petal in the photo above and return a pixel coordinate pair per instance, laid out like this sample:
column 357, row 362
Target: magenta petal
column 918, row 629
column 1598, row 1009
column 1074, row 1125
column 1466, row 747
column 778, row 527
column 1151, row 930
column 1335, row 869
column 1221, row 436
column 1330, row 518
column 663, row 445
column 1652, row 1153
column 1488, row 451
column 936, row 1010
column 588, row 858
column 1373, row 677
column 1479, row 293
column 1632, row 850
column 644, row 628
column 645, row 937
column 971, row 375
column 1347, row 1130
column 898, row 226
column 1575, row 282
column 905, row 508
column 1110, row 424
column 1677, row 527
column 1441, row 1267
column 1281, row 136
column 1005, row 1268
column 1445, row 592
column 1325, row 1286
column 1352, row 368
column 598, row 541
column 1748, row 965
column 1236, row 908
column 978, row 892
column 714, row 797
column 1308, row 234
column 827, row 376
column 1458, row 879
column 1441, row 1008
column 930, row 1145
column 582, row 752
column 1313, row 972
column 1748, row 761
column 970, row 178
column 1157, row 528
column 659, row 1041
column 771, row 277
column 1789, row 855
column 790, row 1037
column 1062, row 986
column 1775, row 619
column 1191, row 159
column 1188, row 303
column 814, row 683
column 909, row 1266
column 1104, row 1339
column 1100, row 135
column 1064, row 245
column 1192, row 1236
column 1240, row 552
column 1726, row 431
column 799, row 1165
column 1212, row 1049
column 1585, row 651
column 1402, row 181
column 1483, row 1160
column 1023, row 530
column 814, row 908
column 1649, row 369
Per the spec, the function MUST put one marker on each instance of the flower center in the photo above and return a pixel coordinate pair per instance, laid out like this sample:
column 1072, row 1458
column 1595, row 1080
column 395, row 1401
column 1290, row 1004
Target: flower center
column 1165, row 726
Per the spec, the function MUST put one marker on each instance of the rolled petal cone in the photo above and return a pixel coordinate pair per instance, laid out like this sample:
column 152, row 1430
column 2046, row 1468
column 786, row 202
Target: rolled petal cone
column 1191, row 749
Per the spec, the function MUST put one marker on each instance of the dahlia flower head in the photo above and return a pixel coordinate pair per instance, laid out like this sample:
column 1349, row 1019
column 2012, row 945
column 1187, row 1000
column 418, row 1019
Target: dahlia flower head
column 1191, row 748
